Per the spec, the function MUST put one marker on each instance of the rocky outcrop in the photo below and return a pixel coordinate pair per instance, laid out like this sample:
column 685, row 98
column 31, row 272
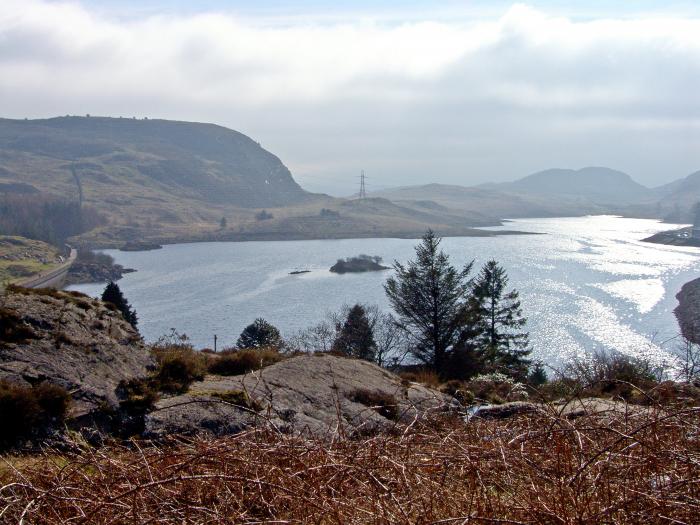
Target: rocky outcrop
column 71, row 340
column 92, row 272
column 688, row 310
column 317, row 395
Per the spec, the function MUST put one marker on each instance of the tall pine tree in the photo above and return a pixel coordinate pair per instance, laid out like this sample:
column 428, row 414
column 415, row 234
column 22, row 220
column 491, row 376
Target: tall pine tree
column 496, row 323
column 356, row 337
column 112, row 294
column 429, row 296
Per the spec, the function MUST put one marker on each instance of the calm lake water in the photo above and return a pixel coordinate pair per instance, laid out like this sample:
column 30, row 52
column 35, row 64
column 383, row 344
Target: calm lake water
column 588, row 283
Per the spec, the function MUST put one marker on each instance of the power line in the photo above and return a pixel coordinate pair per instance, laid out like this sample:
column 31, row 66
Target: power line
column 363, row 193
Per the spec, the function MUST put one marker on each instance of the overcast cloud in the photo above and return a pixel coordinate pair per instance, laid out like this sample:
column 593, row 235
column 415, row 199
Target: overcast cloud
column 462, row 100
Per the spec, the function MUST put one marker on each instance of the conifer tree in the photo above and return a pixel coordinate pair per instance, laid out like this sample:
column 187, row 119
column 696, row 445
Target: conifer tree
column 538, row 375
column 356, row 337
column 259, row 334
column 497, row 322
column 112, row 294
column 430, row 296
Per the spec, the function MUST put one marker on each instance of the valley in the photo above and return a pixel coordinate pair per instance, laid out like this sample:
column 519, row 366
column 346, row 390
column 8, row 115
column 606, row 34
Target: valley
column 161, row 182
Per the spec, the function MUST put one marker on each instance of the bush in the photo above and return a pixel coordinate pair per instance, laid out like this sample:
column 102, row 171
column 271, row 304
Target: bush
column 263, row 215
column 30, row 411
column 259, row 334
column 178, row 368
column 238, row 362
column 381, row 402
column 137, row 396
column 497, row 388
column 423, row 376
column 611, row 374
column 89, row 257
column 12, row 328
column 458, row 390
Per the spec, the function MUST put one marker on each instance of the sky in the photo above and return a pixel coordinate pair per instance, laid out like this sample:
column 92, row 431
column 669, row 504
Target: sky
column 411, row 92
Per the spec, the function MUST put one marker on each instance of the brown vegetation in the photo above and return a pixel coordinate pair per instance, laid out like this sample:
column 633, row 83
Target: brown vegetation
column 236, row 362
column 29, row 411
column 639, row 466
column 383, row 403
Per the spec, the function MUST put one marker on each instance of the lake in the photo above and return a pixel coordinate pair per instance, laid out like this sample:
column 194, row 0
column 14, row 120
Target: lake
column 586, row 283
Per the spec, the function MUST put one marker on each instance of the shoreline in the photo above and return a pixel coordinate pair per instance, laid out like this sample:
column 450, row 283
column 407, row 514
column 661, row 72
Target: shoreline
column 677, row 237
column 296, row 236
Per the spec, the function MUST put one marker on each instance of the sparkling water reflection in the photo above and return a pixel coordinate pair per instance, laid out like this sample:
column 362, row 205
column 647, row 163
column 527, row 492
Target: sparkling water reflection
column 586, row 283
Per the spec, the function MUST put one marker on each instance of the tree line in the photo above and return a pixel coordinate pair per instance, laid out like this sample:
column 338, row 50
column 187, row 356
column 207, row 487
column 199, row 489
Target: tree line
column 45, row 218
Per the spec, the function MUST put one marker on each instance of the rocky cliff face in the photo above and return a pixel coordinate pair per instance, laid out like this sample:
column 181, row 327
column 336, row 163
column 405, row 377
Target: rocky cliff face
column 71, row 340
column 688, row 310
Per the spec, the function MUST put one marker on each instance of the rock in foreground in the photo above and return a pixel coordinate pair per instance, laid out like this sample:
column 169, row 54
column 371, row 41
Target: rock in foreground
column 309, row 395
column 70, row 340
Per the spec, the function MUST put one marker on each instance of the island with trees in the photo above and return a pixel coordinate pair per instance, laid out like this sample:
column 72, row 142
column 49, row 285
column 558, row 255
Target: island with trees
column 359, row 264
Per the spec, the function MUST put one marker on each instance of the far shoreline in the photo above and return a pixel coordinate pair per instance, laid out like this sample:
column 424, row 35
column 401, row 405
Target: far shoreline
column 278, row 236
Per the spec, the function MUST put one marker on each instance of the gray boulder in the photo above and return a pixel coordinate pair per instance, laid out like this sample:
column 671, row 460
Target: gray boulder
column 313, row 395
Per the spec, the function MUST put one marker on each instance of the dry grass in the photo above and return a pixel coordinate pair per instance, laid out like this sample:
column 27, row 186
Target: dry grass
column 237, row 362
column 642, row 466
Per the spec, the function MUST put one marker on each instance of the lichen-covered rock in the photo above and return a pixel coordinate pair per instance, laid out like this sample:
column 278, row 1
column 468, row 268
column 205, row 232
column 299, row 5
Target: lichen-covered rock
column 71, row 340
column 318, row 395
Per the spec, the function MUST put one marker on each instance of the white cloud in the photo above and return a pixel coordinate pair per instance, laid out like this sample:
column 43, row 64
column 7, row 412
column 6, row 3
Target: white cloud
column 463, row 98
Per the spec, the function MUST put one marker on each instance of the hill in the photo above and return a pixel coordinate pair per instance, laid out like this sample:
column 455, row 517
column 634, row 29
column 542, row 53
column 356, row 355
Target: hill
column 677, row 198
column 184, row 159
column 485, row 205
column 596, row 185
column 21, row 258
column 166, row 181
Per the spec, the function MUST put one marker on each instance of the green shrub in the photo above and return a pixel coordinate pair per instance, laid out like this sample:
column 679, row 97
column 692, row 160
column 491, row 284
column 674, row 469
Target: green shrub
column 29, row 411
column 259, row 334
column 238, row 362
column 384, row 404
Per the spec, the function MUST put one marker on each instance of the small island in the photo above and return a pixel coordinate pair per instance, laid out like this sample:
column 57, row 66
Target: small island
column 361, row 263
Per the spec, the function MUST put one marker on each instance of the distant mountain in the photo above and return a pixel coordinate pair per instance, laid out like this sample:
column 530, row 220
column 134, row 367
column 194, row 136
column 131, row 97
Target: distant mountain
column 114, row 156
column 486, row 205
column 598, row 185
column 677, row 198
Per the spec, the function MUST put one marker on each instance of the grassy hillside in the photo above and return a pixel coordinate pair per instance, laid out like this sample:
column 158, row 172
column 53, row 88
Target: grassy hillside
column 21, row 258
column 165, row 181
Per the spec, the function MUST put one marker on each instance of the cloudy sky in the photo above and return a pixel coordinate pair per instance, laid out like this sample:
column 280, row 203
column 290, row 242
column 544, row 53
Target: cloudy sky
column 464, row 93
